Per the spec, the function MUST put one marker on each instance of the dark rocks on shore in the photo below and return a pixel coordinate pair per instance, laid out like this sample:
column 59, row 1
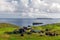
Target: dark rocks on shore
column 51, row 34
column 30, row 31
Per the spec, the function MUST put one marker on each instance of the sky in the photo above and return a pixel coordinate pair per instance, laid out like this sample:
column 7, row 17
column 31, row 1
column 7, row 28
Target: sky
column 29, row 8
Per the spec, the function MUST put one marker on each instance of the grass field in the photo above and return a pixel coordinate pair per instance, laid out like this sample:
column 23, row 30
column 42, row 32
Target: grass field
column 4, row 27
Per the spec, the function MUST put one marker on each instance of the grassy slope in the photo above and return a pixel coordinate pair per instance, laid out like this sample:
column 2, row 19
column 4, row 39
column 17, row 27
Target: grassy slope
column 9, row 27
column 6, row 27
column 55, row 26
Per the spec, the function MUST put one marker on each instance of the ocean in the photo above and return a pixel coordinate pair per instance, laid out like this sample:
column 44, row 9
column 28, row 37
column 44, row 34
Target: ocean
column 29, row 21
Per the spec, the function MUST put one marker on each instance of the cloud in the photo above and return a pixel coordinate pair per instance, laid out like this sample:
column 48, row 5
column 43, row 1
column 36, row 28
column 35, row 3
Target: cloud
column 29, row 8
column 42, row 8
column 8, row 6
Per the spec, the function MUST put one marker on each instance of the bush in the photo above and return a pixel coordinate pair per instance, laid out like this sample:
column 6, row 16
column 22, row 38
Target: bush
column 8, row 32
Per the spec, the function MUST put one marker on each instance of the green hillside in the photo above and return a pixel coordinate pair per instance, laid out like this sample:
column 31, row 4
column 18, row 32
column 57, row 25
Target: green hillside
column 55, row 26
column 6, row 27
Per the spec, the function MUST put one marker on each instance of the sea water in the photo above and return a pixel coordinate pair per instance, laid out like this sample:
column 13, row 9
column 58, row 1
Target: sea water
column 29, row 21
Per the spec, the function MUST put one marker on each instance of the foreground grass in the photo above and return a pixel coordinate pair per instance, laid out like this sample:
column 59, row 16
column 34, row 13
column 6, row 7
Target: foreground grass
column 28, row 37
column 34, row 36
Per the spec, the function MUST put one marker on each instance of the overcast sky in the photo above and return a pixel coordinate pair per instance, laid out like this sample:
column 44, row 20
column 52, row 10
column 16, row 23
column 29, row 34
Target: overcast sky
column 29, row 8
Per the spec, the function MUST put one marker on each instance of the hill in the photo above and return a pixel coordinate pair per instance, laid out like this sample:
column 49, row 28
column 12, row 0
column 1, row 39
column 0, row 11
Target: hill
column 7, row 25
column 35, row 36
column 48, row 26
